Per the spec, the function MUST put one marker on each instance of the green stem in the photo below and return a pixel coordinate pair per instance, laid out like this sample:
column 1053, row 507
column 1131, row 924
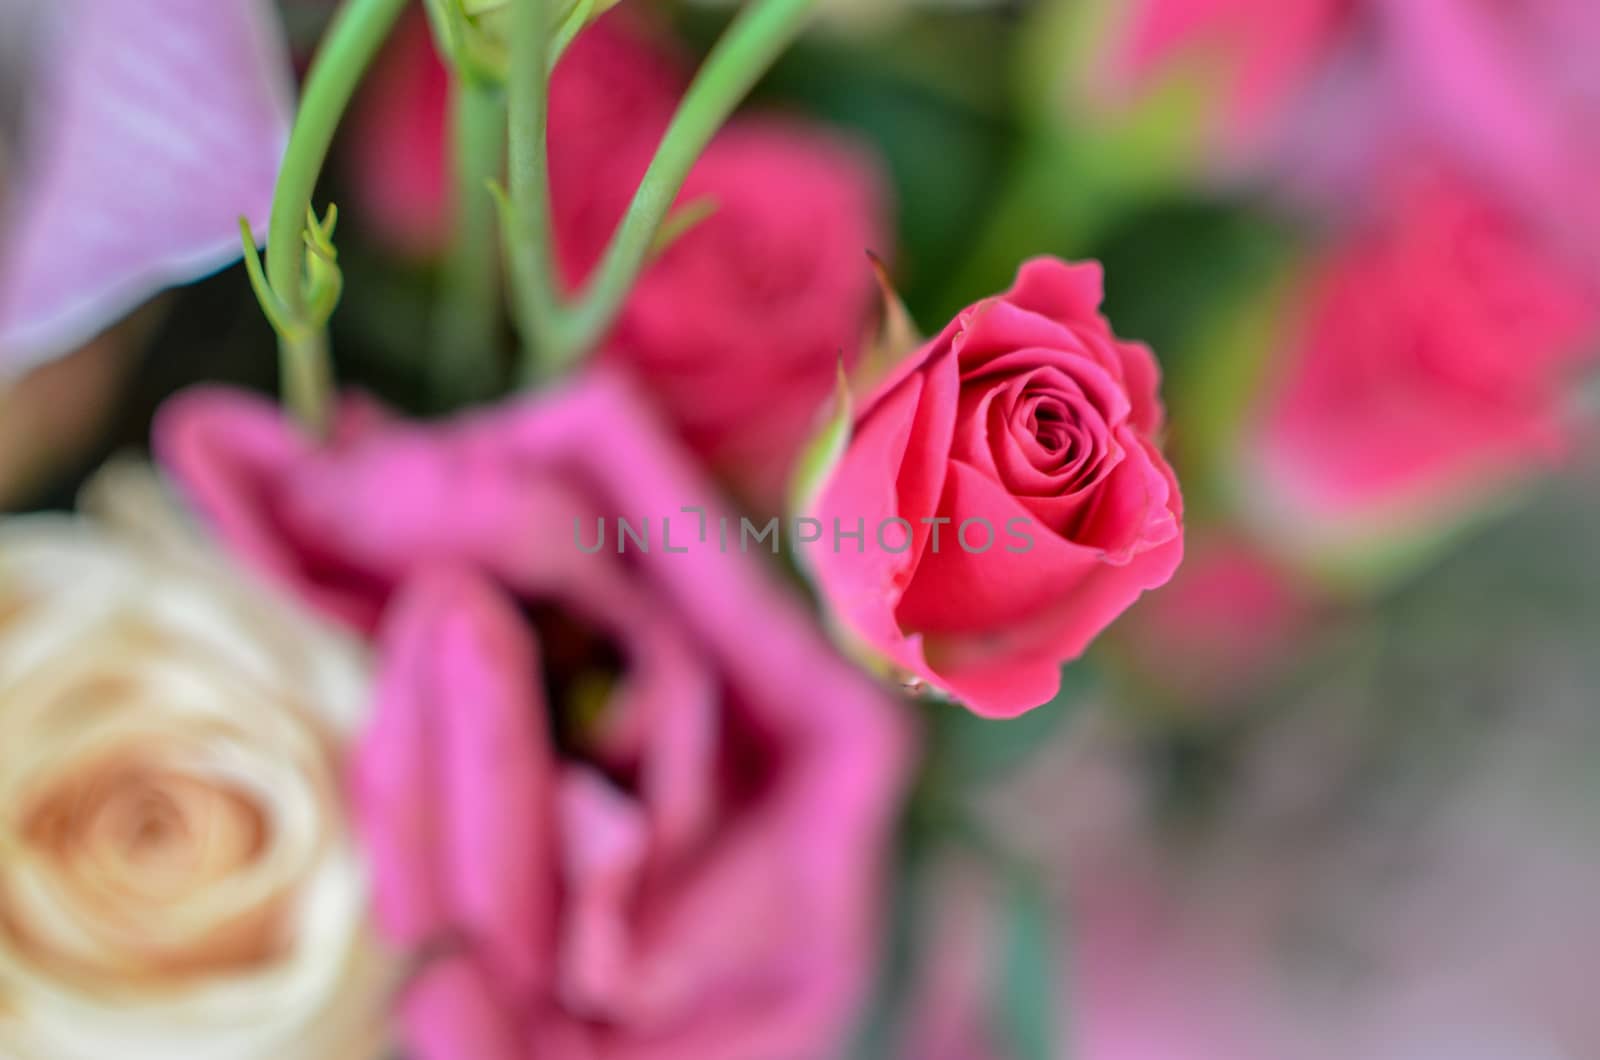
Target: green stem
column 465, row 367
column 746, row 51
column 352, row 40
column 306, row 378
column 531, row 250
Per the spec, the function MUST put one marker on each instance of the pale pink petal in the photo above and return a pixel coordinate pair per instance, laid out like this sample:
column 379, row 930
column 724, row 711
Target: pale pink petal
column 451, row 1013
column 232, row 455
column 1458, row 64
column 154, row 127
column 605, row 841
column 455, row 779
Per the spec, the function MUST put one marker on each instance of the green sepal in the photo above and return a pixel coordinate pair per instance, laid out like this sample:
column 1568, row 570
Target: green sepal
column 825, row 448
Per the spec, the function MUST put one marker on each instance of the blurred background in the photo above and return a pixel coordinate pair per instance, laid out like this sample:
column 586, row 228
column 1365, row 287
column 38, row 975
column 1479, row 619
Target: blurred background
column 1333, row 792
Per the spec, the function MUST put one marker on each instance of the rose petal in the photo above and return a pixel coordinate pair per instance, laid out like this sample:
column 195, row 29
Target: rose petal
column 999, row 625
column 1141, row 376
column 994, row 328
column 605, row 841
column 1461, row 69
column 232, row 455
column 957, row 591
column 449, row 1013
column 458, row 752
column 1069, row 293
column 866, row 589
column 1132, row 509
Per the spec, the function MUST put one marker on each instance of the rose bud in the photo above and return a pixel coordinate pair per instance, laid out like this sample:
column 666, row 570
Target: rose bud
column 1430, row 369
column 179, row 879
column 1007, row 496
column 143, row 133
column 621, row 803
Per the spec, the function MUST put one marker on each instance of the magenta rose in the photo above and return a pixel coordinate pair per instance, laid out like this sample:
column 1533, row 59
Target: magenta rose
column 1430, row 367
column 617, row 805
column 1009, row 492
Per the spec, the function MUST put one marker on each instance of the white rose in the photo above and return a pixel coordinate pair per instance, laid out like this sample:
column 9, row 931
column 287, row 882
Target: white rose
column 177, row 878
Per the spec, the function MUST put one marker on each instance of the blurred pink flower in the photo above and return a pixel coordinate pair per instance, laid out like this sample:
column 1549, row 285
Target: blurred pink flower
column 1018, row 453
column 1431, row 366
column 617, row 805
column 147, row 130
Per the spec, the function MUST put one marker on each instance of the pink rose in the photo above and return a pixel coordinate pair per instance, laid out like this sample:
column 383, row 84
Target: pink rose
column 1430, row 367
column 1012, row 498
column 617, row 805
